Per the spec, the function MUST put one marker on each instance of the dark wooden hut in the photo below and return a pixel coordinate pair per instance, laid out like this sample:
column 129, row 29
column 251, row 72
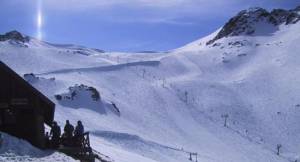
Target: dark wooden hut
column 23, row 109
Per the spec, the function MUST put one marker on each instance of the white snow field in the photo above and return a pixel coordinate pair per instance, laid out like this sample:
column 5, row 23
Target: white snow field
column 14, row 149
column 171, row 103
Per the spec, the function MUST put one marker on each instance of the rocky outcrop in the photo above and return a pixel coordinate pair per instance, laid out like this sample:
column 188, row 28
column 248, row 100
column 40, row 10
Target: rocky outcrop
column 246, row 22
column 15, row 36
column 80, row 92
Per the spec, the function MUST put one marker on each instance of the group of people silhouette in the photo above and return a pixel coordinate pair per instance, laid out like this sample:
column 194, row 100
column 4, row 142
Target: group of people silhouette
column 71, row 137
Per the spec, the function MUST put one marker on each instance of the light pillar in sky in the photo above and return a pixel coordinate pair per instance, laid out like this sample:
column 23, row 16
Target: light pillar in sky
column 39, row 20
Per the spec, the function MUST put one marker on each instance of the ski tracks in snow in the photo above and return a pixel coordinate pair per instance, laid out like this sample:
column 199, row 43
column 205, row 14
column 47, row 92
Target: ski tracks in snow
column 103, row 68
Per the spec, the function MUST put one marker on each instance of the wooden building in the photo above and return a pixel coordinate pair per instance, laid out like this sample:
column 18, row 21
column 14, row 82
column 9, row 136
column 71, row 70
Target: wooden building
column 23, row 109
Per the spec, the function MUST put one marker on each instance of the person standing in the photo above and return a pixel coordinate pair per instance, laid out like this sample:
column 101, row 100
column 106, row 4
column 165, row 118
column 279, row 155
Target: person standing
column 79, row 130
column 78, row 134
column 47, row 140
column 55, row 135
column 68, row 133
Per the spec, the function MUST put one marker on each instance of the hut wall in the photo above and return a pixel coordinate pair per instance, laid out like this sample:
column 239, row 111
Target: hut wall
column 21, row 111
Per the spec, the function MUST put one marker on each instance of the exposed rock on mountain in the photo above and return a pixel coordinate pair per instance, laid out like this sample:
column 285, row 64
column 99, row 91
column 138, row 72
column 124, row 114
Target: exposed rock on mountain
column 15, row 36
column 255, row 20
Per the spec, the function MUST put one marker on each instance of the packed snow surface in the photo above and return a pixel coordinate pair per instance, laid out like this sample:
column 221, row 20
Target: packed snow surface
column 158, row 107
column 14, row 149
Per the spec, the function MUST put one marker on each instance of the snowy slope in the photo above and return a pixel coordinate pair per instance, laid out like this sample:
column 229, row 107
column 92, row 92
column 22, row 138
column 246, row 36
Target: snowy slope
column 168, row 104
column 13, row 149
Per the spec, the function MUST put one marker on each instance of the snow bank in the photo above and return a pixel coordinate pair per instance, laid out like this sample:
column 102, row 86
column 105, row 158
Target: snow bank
column 14, row 149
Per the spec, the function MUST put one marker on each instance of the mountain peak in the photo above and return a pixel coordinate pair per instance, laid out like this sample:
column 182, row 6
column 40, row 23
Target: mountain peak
column 247, row 22
column 14, row 35
column 254, row 10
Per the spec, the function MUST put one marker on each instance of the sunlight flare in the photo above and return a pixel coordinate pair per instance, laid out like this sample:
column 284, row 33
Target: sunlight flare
column 39, row 21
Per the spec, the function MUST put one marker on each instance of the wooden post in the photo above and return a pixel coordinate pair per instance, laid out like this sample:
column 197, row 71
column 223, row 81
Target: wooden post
column 144, row 71
column 278, row 148
column 225, row 116
column 186, row 97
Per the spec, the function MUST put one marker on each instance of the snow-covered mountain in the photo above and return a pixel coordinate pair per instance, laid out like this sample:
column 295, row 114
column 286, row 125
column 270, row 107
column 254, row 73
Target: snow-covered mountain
column 257, row 21
column 158, row 107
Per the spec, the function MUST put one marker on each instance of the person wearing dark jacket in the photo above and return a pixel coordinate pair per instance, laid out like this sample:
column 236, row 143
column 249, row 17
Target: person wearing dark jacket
column 68, row 133
column 78, row 133
column 55, row 133
column 68, row 130
column 79, row 130
column 47, row 140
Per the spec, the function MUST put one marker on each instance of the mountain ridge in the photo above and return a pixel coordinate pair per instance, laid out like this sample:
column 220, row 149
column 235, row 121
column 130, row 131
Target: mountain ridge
column 246, row 20
column 14, row 35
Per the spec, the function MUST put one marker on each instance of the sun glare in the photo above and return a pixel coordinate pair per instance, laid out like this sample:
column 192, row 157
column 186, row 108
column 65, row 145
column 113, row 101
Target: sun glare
column 39, row 21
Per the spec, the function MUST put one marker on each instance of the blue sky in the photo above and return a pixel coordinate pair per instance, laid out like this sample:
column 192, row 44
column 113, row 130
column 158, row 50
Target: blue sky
column 125, row 25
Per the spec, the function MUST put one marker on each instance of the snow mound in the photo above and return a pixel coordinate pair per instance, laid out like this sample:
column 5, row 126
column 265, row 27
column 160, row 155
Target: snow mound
column 32, row 78
column 80, row 91
column 79, row 96
column 14, row 149
column 149, row 149
column 83, row 96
